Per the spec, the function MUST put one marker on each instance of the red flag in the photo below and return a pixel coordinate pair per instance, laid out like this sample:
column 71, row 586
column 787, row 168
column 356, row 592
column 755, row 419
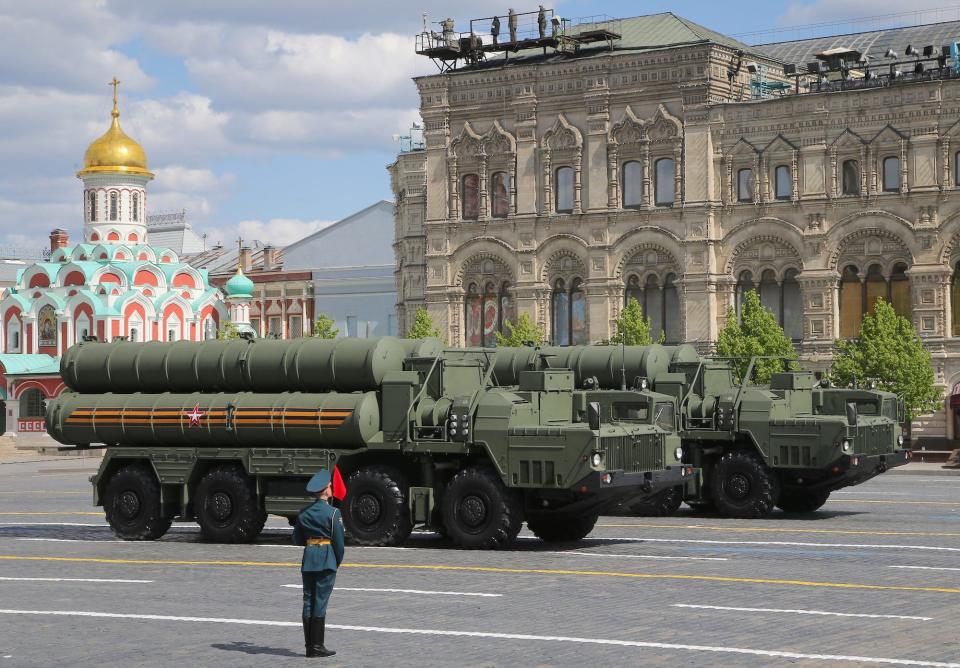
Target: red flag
column 339, row 488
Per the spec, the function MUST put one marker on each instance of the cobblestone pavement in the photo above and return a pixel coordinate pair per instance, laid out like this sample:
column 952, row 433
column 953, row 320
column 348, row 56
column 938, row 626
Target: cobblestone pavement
column 874, row 576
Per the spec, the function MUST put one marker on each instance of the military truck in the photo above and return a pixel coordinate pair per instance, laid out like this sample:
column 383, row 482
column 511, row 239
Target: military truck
column 225, row 432
column 788, row 444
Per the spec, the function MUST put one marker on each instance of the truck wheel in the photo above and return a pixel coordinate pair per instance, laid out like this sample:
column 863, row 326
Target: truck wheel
column 375, row 511
column 661, row 504
column 802, row 500
column 562, row 528
column 479, row 512
column 743, row 486
column 132, row 504
column 227, row 507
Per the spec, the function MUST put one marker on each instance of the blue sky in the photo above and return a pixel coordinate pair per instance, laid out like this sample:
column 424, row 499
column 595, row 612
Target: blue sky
column 260, row 119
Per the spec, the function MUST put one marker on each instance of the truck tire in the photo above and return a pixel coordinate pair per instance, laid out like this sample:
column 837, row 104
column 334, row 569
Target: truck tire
column 227, row 507
column 479, row 512
column 562, row 528
column 661, row 504
column 132, row 504
column 375, row 511
column 743, row 486
column 802, row 500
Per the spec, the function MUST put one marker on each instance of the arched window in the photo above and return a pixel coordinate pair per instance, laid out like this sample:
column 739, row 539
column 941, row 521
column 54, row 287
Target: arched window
column 473, row 314
column 135, row 209
column 891, row 175
column 500, row 194
column 671, row 310
column 173, row 328
column 900, row 297
column 486, row 312
column 745, row 185
column 209, row 329
column 578, row 313
column 564, row 192
column 114, row 206
column 93, row 205
column 956, row 168
column 955, row 298
column 851, row 177
column 744, row 285
column 632, row 184
column 633, row 291
column 876, row 287
column 851, row 303
column 471, row 196
column 508, row 312
column 660, row 305
column 783, row 184
column 32, row 404
column 560, row 313
column 653, row 305
column 664, row 186
column 13, row 335
column 134, row 327
column 792, row 302
column 770, row 293
column 82, row 327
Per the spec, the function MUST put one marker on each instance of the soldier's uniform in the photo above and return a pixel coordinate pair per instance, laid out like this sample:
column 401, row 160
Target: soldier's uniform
column 319, row 528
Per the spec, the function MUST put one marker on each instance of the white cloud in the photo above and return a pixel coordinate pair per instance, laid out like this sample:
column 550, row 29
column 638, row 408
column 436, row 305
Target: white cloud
column 825, row 11
column 180, row 179
column 276, row 231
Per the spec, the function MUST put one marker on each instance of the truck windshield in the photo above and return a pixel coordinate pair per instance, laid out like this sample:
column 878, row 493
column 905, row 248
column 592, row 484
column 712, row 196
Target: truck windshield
column 866, row 407
column 890, row 409
column 665, row 417
column 630, row 412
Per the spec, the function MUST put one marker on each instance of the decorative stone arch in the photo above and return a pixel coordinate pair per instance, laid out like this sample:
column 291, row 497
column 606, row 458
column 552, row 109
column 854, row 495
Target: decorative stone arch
column 499, row 154
column 482, row 267
column 627, row 142
column 780, row 152
column 889, row 142
column 463, row 157
column 106, row 273
column 561, row 146
column 742, row 155
column 484, row 247
column 885, row 221
column 556, row 247
column 667, row 255
column 847, row 146
column 872, row 245
column 763, row 252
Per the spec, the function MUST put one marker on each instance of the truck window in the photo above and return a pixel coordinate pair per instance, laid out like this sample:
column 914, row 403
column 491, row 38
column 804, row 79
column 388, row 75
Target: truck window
column 665, row 417
column 630, row 412
column 866, row 408
column 890, row 409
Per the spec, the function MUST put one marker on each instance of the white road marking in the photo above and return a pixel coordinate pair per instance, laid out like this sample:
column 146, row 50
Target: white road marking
column 927, row 568
column 774, row 542
column 712, row 649
column 411, row 591
column 800, row 612
column 9, row 579
column 631, row 556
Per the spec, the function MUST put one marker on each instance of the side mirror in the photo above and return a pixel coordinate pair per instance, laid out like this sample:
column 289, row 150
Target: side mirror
column 593, row 415
column 901, row 411
column 852, row 414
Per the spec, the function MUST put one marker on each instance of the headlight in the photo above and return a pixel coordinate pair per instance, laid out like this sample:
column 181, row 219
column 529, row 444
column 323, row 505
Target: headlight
column 900, row 440
column 846, row 446
column 678, row 453
column 596, row 460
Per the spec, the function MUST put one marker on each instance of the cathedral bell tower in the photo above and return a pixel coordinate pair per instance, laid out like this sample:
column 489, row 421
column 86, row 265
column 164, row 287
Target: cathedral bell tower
column 115, row 177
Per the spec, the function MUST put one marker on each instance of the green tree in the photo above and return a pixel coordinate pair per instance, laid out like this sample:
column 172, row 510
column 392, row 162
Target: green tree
column 756, row 333
column 423, row 326
column 525, row 331
column 890, row 352
column 632, row 328
column 323, row 327
column 228, row 330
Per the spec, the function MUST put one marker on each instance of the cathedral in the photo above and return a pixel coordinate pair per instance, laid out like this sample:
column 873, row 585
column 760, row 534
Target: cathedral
column 112, row 284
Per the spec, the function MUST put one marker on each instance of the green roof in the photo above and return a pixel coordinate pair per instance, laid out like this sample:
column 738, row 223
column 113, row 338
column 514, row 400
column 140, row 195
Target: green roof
column 21, row 364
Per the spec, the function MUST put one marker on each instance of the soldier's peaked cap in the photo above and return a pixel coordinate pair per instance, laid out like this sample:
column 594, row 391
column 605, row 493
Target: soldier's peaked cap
column 318, row 482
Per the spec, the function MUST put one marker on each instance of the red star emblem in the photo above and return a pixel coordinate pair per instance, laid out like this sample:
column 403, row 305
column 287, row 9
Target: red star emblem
column 195, row 415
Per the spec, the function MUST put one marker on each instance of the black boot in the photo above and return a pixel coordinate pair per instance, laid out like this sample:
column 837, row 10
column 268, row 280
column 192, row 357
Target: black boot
column 307, row 638
column 317, row 628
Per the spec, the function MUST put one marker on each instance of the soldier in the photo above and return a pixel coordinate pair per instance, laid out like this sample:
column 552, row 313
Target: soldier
column 512, row 24
column 542, row 22
column 495, row 29
column 319, row 528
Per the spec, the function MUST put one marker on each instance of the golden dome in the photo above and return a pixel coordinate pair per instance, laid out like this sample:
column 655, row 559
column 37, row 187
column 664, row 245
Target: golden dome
column 115, row 151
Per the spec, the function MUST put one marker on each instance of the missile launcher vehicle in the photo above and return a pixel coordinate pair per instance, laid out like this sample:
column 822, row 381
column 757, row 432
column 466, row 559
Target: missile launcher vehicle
column 225, row 432
column 788, row 444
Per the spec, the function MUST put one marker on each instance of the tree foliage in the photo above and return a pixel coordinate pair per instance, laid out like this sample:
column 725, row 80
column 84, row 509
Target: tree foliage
column 632, row 329
column 756, row 333
column 524, row 332
column 323, row 327
column 890, row 352
column 423, row 326
column 228, row 330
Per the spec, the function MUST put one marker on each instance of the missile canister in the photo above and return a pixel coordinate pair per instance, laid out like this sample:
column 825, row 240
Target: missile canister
column 288, row 419
column 261, row 365
column 608, row 364
column 428, row 347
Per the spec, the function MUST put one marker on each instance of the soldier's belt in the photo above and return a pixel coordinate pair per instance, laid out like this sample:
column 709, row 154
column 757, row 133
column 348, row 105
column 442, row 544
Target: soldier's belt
column 318, row 541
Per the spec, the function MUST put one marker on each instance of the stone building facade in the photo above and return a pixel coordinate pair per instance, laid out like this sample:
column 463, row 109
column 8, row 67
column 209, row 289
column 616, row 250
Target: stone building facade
column 560, row 185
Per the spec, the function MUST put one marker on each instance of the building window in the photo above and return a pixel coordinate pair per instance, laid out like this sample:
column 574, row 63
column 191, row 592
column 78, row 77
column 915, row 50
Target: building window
column 665, row 186
column 956, row 168
column 632, row 184
column 136, row 206
column 471, row 196
column 93, row 205
column 744, row 285
column 955, row 298
column 255, row 326
column 858, row 296
column 296, row 327
column 851, row 177
column 791, row 302
column 500, row 194
column 891, row 175
column 32, row 404
column 13, row 335
column 487, row 313
column 781, row 298
column 564, row 194
column 114, row 206
column 783, row 184
column 209, row 329
column 351, row 325
column 569, row 313
column 275, row 328
column 745, row 185
column 660, row 305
